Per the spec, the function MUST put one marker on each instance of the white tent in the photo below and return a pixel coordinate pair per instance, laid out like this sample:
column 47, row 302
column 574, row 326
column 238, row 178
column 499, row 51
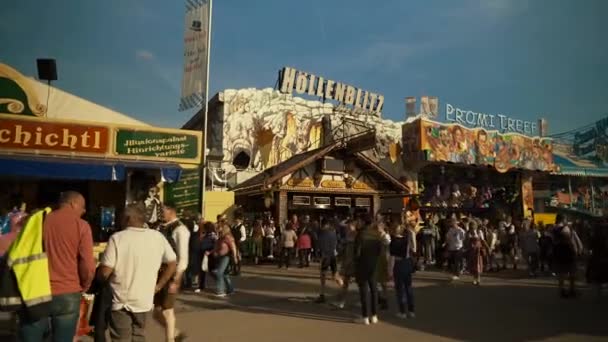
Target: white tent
column 66, row 106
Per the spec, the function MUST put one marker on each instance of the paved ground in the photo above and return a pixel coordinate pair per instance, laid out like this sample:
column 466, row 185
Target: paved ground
column 276, row 305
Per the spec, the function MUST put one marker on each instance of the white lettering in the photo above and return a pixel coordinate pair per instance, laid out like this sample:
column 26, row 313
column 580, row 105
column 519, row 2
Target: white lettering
column 372, row 101
column 459, row 115
column 482, row 120
column 38, row 136
column 51, row 139
column 470, row 115
column 2, row 138
column 358, row 99
column 503, row 122
column 449, row 110
column 85, row 139
column 510, row 124
column 69, row 140
column 491, row 120
column 311, row 84
column 320, row 86
column 519, row 125
column 97, row 140
column 533, row 127
column 526, row 126
column 350, row 95
column 339, row 92
column 288, row 80
column 329, row 89
column 301, row 83
column 380, row 104
column 365, row 100
column 22, row 137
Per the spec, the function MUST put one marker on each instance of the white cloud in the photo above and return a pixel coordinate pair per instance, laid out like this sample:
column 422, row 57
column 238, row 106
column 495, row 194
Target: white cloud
column 145, row 55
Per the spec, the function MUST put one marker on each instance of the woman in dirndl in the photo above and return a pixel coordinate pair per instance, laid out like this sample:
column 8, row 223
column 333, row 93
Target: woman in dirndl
column 476, row 254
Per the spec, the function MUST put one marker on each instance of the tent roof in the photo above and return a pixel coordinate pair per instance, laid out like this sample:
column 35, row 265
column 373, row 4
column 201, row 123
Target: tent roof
column 571, row 165
column 65, row 106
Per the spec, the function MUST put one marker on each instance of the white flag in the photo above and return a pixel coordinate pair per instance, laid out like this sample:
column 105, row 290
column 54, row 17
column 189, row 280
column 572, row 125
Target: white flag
column 196, row 54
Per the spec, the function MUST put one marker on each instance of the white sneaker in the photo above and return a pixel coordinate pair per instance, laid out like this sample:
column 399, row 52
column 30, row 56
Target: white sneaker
column 362, row 320
column 197, row 291
column 339, row 305
column 374, row 319
column 455, row 277
column 411, row 315
column 402, row 315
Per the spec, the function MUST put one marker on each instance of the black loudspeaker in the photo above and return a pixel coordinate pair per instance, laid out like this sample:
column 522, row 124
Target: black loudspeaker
column 47, row 69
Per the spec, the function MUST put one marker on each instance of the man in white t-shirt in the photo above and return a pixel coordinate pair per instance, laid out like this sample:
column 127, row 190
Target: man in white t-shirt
column 131, row 262
column 454, row 240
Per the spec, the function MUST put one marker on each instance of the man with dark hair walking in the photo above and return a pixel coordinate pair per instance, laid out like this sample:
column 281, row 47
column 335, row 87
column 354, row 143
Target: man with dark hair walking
column 131, row 262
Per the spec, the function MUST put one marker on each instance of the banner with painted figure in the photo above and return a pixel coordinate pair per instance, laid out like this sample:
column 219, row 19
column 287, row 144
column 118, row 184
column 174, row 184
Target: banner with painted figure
column 458, row 144
column 527, row 195
column 196, row 54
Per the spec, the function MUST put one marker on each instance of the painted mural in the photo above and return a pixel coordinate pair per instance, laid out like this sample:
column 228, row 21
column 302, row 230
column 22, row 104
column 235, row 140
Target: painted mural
column 457, row 144
column 527, row 195
column 270, row 127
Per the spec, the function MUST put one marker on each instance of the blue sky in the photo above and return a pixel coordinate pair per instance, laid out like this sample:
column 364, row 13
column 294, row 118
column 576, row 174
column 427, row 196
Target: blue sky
column 521, row 58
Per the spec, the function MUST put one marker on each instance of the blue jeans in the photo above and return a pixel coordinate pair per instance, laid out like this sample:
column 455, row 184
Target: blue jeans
column 224, row 284
column 402, row 275
column 63, row 318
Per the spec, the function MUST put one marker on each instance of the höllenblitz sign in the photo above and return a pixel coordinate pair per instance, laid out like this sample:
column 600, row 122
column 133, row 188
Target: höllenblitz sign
column 307, row 83
column 498, row 122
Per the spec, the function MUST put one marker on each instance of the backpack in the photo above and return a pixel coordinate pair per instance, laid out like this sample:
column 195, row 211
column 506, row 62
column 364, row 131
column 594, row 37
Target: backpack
column 168, row 233
column 236, row 232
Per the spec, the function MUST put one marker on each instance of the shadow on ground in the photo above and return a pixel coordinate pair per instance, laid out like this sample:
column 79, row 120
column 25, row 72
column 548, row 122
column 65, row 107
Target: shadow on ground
column 519, row 312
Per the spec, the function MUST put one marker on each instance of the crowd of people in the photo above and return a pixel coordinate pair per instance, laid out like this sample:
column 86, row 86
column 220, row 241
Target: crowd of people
column 144, row 268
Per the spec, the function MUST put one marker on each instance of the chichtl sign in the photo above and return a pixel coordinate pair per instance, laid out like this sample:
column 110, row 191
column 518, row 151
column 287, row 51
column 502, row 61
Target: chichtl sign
column 33, row 135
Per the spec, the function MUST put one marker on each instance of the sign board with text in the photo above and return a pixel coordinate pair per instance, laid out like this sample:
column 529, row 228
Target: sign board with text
column 499, row 122
column 185, row 194
column 43, row 136
column 156, row 144
column 57, row 138
column 358, row 99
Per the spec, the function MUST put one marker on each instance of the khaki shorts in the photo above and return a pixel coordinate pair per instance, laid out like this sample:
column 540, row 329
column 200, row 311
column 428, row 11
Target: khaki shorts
column 164, row 299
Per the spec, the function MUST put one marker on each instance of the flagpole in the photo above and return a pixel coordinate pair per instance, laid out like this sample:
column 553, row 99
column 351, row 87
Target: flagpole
column 206, row 112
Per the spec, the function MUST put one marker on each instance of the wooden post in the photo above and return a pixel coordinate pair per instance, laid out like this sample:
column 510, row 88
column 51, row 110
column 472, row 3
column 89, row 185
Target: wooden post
column 570, row 189
column 281, row 204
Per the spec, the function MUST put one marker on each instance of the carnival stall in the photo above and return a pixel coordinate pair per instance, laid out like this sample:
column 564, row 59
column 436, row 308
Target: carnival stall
column 577, row 184
column 473, row 169
column 63, row 142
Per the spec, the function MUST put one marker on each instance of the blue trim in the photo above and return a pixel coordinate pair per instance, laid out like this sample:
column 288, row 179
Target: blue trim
column 102, row 170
